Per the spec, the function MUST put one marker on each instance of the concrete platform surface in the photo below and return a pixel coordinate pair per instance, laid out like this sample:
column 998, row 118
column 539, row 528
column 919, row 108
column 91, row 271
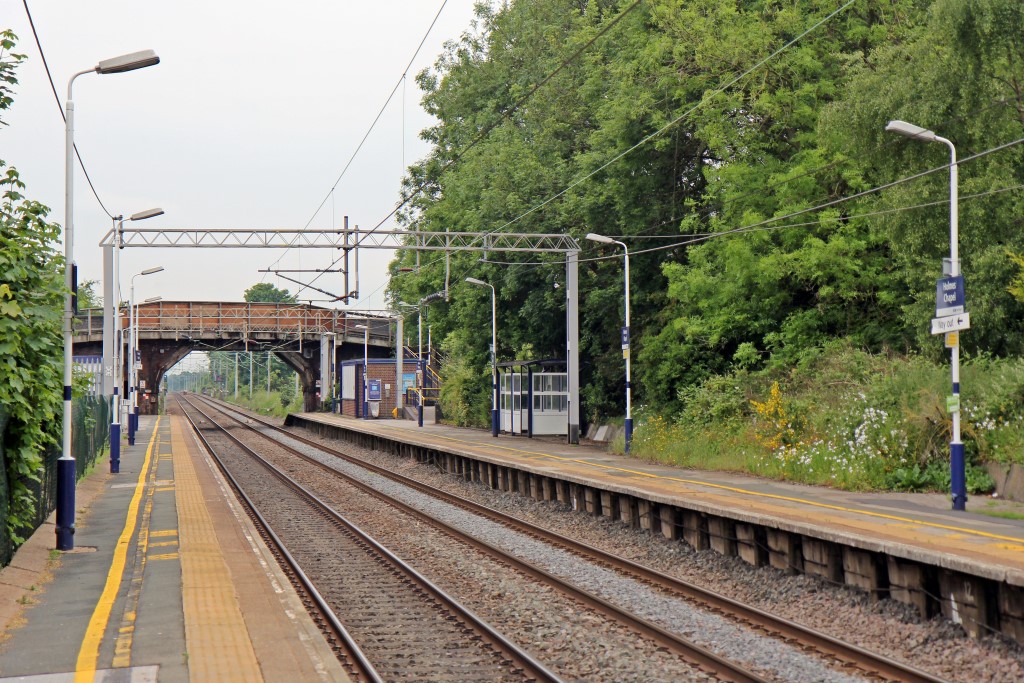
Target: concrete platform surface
column 168, row 582
column 922, row 526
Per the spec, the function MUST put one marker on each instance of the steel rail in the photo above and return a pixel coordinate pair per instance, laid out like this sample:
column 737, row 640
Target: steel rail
column 720, row 667
column 783, row 628
column 532, row 668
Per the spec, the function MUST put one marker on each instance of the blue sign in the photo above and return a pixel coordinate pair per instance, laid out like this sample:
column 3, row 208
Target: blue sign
column 625, row 338
column 373, row 390
column 949, row 296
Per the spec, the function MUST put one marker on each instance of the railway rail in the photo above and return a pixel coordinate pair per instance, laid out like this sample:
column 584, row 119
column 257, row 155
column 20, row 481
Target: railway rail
column 395, row 623
column 846, row 656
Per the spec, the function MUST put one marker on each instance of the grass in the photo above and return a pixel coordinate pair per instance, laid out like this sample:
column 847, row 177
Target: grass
column 272, row 403
column 1002, row 514
column 844, row 418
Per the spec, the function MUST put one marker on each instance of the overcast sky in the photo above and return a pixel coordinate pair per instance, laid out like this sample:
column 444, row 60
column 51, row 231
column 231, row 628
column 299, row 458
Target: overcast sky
column 247, row 122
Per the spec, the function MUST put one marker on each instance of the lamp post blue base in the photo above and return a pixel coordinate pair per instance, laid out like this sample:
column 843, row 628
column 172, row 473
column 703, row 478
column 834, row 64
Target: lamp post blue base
column 419, row 415
column 494, row 422
column 629, row 433
column 115, row 447
column 65, row 503
column 958, row 476
column 131, row 428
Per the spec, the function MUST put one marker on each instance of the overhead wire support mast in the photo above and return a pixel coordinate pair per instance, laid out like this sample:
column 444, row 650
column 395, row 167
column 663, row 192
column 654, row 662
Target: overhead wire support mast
column 565, row 245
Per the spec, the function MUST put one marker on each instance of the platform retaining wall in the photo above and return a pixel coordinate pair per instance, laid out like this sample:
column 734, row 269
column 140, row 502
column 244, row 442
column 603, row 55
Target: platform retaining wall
column 975, row 596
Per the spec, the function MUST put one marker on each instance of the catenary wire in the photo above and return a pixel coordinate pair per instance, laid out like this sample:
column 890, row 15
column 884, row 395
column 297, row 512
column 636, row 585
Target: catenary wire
column 649, row 137
column 998, row 102
column 707, row 96
column 380, row 113
column 492, row 126
column 508, row 112
column 56, row 98
column 760, row 227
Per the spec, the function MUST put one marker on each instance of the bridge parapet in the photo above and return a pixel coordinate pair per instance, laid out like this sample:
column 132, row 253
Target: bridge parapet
column 244, row 320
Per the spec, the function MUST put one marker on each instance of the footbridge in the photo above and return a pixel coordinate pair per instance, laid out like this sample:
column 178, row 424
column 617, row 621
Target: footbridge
column 300, row 335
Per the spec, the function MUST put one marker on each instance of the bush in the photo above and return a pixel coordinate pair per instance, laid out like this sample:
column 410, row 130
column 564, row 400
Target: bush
column 846, row 418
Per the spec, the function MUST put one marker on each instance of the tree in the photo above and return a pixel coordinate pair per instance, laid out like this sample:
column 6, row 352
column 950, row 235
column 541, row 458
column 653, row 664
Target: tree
column 266, row 292
column 87, row 295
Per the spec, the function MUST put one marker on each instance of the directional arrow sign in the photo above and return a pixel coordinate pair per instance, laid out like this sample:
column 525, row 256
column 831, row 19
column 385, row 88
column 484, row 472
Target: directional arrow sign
column 951, row 323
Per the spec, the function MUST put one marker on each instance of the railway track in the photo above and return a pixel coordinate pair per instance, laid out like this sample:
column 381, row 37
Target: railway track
column 397, row 624
column 847, row 657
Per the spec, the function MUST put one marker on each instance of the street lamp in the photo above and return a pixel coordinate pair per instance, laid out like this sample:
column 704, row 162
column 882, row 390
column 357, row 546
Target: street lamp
column 366, row 364
column 133, row 346
column 66, row 469
column 593, row 237
column 113, row 307
column 494, row 352
column 420, row 368
column 957, row 466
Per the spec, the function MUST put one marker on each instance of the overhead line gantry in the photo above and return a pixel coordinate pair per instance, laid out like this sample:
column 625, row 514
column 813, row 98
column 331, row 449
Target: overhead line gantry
column 347, row 239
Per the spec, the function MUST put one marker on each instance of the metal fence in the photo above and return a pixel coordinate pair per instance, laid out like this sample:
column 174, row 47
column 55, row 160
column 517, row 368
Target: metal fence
column 90, row 435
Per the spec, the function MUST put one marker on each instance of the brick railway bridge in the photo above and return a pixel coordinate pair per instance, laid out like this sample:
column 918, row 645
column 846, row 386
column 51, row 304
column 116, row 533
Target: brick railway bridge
column 300, row 335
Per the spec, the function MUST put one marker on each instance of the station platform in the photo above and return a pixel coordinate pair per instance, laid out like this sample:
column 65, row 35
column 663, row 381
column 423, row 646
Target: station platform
column 910, row 546
column 168, row 581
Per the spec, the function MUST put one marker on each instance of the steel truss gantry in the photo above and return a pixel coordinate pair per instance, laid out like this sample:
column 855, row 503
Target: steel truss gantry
column 342, row 239
column 348, row 239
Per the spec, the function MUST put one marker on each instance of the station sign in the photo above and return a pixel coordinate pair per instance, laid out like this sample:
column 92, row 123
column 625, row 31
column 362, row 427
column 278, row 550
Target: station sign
column 625, row 338
column 949, row 296
column 952, row 323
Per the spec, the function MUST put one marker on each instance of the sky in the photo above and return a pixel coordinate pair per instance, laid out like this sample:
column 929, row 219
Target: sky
column 247, row 122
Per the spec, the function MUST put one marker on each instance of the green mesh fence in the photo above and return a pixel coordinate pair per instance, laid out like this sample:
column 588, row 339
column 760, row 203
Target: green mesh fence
column 90, row 435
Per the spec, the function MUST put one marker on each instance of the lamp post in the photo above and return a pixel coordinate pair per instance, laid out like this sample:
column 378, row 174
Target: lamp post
column 114, row 310
column 957, row 465
column 420, row 369
column 66, row 468
column 593, row 237
column 366, row 363
column 494, row 352
column 133, row 347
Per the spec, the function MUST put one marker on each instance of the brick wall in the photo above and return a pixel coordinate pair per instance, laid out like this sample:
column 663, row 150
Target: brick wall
column 384, row 370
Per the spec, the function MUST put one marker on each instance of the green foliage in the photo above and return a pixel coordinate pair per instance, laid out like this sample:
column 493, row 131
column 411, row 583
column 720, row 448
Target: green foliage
column 757, row 288
column 846, row 418
column 267, row 292
column 9, row 61
column 87, row 295
column 465, row 391
column 31, row 305
column 223, row 366
column 275, row 403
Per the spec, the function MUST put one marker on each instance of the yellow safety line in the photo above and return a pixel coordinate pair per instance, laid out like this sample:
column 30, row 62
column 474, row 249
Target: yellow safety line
column 123, row 642
column 89, row 653
column 732, row 489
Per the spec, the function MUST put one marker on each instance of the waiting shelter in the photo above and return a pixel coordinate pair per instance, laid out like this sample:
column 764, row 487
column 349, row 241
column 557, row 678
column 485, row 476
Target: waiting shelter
column 534, row 397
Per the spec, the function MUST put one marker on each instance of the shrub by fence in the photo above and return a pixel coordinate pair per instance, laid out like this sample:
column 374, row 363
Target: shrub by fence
column 90, row 435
